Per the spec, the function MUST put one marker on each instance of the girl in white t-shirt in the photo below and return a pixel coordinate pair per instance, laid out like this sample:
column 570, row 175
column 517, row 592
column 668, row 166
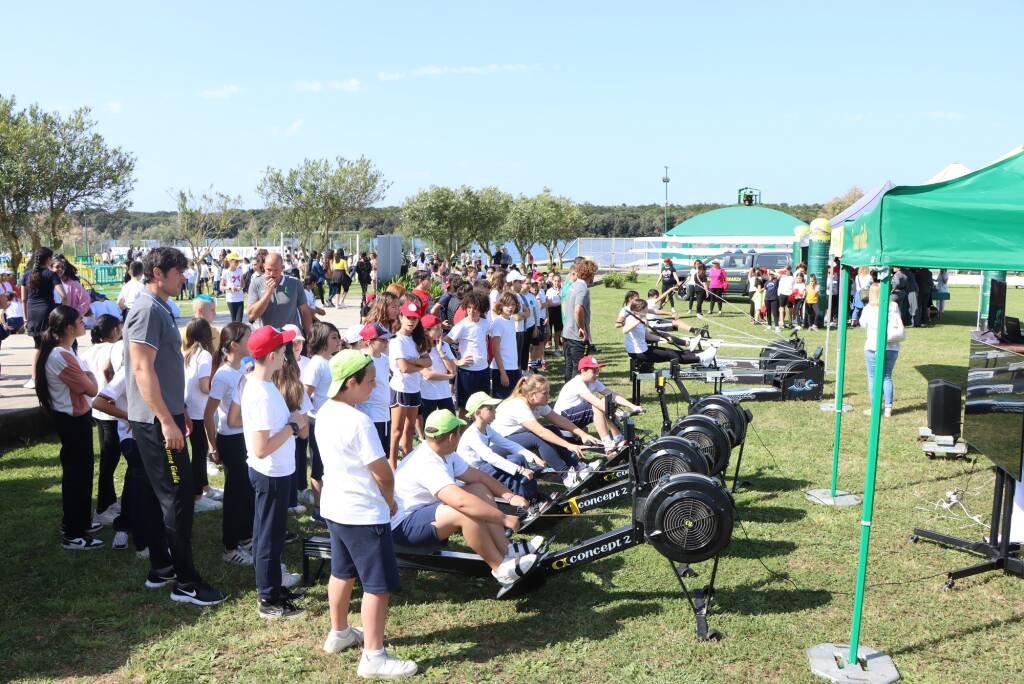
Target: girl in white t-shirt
column 408, row 354
column 470, row 334
column 505, row 371
column 98, row 359
column 324, row 342
column 436, row 391
column 519, row 418
column 554, row 297
column 198, row 376
column 231, row 286
column 223, row 422
column 378, row 405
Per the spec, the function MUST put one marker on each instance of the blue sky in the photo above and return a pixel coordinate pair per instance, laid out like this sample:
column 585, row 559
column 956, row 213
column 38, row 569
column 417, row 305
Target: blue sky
column 800, row 99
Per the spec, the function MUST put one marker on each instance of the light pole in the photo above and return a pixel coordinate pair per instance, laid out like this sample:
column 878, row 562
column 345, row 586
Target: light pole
column 664, row 179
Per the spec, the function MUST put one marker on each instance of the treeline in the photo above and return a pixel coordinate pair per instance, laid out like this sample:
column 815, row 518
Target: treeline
column 599, row 220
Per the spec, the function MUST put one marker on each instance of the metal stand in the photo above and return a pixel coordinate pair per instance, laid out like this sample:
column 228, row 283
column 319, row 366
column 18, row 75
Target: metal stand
column 831, row 661
column 1001, row 554
column 736, row 484
column 700, row 599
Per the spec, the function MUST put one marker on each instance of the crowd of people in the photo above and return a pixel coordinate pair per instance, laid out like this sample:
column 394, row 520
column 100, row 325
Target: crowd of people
column 402, row 429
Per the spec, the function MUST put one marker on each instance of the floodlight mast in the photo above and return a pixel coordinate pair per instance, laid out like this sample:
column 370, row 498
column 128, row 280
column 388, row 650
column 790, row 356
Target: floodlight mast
column 665, row 179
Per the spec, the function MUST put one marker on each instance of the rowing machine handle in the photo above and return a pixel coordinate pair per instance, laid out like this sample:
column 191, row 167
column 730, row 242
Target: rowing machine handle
column 508, row 532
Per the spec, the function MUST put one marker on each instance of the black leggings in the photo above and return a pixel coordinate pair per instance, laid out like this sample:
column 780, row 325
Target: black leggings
column 656, row 354
column 235, row 309
column 772, row 308
column 701, row 294
column 110, row 455
column 716, row 296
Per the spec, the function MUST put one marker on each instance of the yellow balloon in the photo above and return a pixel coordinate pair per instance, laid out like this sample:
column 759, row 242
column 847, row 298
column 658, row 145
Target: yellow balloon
column 821, row 229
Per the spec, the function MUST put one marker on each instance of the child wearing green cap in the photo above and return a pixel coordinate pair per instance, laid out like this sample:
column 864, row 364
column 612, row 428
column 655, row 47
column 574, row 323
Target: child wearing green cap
column 357, row 502
column 433, row 505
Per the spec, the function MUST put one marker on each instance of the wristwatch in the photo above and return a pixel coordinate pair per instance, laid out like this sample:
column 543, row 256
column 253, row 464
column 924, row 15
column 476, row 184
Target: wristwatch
column 295, row 428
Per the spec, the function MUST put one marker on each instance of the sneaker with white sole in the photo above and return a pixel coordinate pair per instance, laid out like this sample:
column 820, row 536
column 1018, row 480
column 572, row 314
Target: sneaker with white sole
column 120, row 540
column 338, row 641
column 523, row 548
column 29, row 384
column 289, row 579
column 297, row 509
column 204, row 504
column 159, row 578
column 83, row 543
column 95, row 527
column 511, row 569
column 385, row 666
column 570, row 479
column 237, row 556
column 197, row 593
column 707, row 356
column 275, row 610
column 214, row 493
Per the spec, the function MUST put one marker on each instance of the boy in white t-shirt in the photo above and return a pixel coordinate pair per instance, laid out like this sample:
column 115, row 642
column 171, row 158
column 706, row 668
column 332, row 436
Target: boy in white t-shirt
column 505, row 371
column 270, row 432
column 357, row 502
column 581, row 401
column 432, row 505
column 470, row 334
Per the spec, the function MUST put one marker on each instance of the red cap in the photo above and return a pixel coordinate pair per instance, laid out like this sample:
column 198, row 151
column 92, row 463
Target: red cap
column 370, row 297
column 268, row 338
column 588, row 362
column 668, row 260
column 429, row 320
column 412, row 310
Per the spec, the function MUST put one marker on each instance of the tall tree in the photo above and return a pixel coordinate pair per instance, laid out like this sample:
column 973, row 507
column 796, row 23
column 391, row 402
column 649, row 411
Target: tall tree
column 837, row 204
column 318, row 194
column 492, row 207
column 204, row 220
column 19, row 149
column 563, row 222
column 542, row 219
column 442, row 217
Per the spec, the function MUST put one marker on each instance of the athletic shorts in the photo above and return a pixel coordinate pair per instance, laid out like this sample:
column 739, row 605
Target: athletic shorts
column 316, row 464
column 581, row 415
column 366, row 552
column 469, row 382
column 384, row 432
column 417, row 528
column 428, row 406
column 406, row 399
column 538, row 334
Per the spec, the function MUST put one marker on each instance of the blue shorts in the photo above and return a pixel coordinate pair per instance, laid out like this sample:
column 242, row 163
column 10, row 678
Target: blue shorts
column 417, row 528
column 428, row 406
column 406, row 399
column 366, row 552
column 581, row 415
column 469, row 382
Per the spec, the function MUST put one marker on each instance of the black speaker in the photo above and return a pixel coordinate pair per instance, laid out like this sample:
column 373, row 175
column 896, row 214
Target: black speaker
column 944, row 408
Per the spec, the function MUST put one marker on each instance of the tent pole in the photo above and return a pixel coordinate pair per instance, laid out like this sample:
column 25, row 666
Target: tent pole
column 844, row 295
column 869, row 476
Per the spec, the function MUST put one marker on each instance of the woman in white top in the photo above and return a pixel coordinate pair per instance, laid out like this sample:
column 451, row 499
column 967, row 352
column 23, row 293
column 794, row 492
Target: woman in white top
column 554, row 296
column 408, row 354
column 97, row 358
column 861, row 282
column 519, row 418
column 324, row 342
column 63, row 386
column 231, row 286
column 198, row 376
column 895, row 334
column 223, row 422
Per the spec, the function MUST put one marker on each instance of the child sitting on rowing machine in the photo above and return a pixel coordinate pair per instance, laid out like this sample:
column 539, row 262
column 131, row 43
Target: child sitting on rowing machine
column 655, row 319
column 581, row 401
column 432, row 506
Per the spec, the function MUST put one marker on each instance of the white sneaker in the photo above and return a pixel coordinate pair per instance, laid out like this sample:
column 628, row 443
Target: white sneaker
column 29, row 384
column 339, row 641
column 522, row 548
column 511, row 569
column 570, row 479
column 120, row 540
column 204, row 504
column 298, row 509
column 214, row 493
column 584, row 471
column 238, row 556
column 385, row 666
column 700, row 316
column 289, row 579
column 212, row 469
column 707, row 356
column 106, row 517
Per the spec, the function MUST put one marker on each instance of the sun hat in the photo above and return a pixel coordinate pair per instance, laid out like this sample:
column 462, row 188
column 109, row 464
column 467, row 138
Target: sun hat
column 291, row 327
column 232, row 256
column 344, row 365
column 589, row 362
column 478, row 400
column 374, row 331
column 267, row 339
column 514, row 277
column 353, row 334
column 412, row 310
column 441, row 422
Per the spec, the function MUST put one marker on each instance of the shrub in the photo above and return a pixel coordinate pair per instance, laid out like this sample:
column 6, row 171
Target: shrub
column 613, row 280
column 631, row 277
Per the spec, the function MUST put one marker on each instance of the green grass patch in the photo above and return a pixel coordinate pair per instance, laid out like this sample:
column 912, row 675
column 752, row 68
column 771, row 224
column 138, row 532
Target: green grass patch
column 86, row 615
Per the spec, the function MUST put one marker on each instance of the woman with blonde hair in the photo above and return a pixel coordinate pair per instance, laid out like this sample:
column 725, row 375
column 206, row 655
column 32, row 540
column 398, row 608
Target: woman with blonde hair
column 895, row 334
column 861, row 282
column 519, row 419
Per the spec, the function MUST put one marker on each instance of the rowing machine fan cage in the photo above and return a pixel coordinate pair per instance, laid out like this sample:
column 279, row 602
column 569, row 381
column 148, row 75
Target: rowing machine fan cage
column 726, row 413
column 688, row 518
column 668, row 456
column 710, row 438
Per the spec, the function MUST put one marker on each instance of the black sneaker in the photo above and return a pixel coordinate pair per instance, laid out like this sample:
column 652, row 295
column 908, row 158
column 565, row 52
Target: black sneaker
column 290, row 537
column 160, row 578
column 94, row 528
column 272, row 610
column 289, row 595
column 197, row 593
column 83, row 543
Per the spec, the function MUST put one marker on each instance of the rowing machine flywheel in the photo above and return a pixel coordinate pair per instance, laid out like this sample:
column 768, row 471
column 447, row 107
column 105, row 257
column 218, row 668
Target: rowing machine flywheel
column 688, row 518
column 727, row 413
column 710, row 438
column 667, row 456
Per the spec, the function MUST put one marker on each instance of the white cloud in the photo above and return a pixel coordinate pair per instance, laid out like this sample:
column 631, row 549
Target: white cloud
column 350, row 85
column 293, row 129
column 115, row 106
column 433, row 70
column 309, row 86
column 220, row 93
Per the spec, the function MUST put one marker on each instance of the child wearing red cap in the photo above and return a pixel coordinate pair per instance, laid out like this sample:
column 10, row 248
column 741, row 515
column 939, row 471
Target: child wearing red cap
column 408, row 354
column 436, row 390
column 581, row 402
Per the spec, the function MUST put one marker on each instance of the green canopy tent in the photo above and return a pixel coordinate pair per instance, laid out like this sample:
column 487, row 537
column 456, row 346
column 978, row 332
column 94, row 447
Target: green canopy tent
column 972, row 222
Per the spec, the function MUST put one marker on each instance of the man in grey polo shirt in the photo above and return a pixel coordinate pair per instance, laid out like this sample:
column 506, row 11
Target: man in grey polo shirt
column 155, row 388
column 277, row 299
column 576, row 313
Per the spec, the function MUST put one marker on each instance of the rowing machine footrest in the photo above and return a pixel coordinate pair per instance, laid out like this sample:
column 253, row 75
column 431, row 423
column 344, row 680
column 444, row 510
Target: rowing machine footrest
column 315, row 547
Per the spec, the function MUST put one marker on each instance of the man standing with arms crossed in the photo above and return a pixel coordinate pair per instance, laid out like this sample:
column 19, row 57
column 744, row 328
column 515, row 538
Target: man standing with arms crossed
column 576, row 308
column 156, row 410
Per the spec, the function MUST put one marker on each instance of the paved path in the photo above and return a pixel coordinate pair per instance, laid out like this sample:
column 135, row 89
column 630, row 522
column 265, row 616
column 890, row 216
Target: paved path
column 17, row 353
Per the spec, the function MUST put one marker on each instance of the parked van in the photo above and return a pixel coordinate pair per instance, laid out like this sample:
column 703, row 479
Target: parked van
column 738, row 264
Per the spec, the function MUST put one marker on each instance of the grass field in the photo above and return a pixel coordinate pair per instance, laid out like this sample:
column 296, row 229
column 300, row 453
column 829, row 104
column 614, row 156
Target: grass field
column 785, row 583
